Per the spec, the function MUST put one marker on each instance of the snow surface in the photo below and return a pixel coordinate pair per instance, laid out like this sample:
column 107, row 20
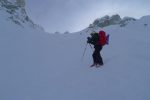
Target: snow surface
column 39, row 66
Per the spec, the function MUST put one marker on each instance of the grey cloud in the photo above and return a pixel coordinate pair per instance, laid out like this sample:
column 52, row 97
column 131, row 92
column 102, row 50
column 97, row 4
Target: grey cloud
column 73, row 15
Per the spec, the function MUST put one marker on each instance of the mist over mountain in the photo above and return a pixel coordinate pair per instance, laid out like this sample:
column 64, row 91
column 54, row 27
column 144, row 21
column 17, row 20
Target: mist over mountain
column 14, row 10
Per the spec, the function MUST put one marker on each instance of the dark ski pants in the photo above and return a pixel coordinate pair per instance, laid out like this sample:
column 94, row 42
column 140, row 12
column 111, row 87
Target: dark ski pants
column 97, row 59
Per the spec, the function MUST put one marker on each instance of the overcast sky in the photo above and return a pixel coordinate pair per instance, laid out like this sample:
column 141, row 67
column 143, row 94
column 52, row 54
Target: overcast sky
column 75, row 15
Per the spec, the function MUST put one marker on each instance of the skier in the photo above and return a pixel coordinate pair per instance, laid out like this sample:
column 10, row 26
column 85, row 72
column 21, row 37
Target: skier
column 98, row 40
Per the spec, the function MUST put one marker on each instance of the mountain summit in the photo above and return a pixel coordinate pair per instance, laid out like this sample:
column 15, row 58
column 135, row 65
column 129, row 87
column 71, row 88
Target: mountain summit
column 14, row 10
column 112, row 20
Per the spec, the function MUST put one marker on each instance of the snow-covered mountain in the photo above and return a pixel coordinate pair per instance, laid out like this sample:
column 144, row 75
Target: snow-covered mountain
column 112, row 20
column 35, row 65
column 14, row 10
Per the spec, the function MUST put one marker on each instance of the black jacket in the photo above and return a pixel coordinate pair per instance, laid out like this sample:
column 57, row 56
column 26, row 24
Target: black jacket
column 93, row 39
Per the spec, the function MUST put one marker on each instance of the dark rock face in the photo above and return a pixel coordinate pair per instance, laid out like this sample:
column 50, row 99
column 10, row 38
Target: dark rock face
column 112, row 20
column 17, row 13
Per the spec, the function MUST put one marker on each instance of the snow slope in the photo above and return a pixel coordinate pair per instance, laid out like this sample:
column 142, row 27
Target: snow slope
column 39, row 66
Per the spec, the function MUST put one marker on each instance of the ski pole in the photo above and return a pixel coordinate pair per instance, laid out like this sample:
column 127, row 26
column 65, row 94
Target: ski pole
column 91, row 46
column 84, row 51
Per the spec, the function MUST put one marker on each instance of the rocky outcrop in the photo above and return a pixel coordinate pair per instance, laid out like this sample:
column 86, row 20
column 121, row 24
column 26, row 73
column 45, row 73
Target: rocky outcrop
column 17, row 13
column 112, row 20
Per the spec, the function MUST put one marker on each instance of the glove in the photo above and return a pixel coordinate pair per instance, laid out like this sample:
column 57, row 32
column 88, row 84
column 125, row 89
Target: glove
column 88, row 39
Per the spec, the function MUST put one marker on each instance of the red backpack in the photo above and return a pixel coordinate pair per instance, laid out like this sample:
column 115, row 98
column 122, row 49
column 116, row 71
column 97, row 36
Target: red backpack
column 103, row 39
